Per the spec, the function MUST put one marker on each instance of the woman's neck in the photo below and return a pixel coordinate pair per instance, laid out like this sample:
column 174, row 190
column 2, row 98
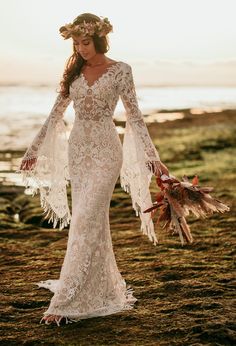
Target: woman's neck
column 97, row 59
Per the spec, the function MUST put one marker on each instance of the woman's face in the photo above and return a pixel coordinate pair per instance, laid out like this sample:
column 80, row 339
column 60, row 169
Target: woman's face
column 84, row 46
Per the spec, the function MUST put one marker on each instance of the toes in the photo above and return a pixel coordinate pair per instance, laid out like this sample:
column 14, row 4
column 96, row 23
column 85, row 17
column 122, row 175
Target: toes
column 48, row 322
column 46, row 319
column 51, row 318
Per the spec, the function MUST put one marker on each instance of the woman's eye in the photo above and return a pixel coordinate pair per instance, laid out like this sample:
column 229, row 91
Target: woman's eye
column 85, row 43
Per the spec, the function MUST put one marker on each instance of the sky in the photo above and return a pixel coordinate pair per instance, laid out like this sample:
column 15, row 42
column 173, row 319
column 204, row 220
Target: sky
column 167, row 42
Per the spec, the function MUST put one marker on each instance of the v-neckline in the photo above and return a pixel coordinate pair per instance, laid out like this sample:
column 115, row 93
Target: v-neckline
column 100, row 77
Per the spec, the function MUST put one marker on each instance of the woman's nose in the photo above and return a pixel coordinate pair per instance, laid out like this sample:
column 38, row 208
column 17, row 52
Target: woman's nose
column 81, row 50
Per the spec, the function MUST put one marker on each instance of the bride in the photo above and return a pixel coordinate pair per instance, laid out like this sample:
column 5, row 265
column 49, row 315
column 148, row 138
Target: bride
column 92, row 159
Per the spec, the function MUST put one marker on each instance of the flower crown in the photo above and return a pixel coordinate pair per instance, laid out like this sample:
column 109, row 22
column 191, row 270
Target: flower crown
column 101, row 28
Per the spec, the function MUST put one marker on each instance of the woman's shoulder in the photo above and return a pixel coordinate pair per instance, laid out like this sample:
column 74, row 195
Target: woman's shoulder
column 119, row 63
column 124, row 66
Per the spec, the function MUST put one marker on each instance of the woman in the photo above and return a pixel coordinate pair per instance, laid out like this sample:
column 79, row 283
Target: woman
column 90, row 283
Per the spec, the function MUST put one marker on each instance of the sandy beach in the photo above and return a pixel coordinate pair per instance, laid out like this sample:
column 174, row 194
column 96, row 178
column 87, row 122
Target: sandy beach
column 185, row 294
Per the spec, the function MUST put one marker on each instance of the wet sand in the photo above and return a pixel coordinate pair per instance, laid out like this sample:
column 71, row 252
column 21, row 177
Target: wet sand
column 185, row 294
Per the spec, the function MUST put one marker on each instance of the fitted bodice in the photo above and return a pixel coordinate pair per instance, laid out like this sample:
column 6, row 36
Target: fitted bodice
column 98, row 101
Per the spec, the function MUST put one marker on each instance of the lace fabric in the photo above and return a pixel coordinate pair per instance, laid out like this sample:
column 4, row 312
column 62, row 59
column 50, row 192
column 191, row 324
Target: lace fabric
column 138, row 152
column 90, row 283
column 50, row 174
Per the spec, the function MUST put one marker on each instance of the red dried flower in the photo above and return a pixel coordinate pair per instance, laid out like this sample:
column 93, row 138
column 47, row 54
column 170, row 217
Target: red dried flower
column 177, row 199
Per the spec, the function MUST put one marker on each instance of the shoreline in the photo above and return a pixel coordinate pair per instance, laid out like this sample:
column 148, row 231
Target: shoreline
column 10, row 159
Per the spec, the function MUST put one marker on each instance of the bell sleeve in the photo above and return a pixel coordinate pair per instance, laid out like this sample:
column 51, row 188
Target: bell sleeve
column 44, row 166
column 139, row 154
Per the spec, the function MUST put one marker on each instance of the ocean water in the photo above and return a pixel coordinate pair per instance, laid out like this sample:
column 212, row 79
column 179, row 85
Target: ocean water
column 23, row 109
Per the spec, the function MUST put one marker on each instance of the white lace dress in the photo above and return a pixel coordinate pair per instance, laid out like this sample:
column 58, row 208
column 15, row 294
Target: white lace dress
column 90, row 283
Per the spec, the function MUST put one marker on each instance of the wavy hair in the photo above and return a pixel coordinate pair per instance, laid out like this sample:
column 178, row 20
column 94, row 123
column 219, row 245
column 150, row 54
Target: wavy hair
column 75, row 62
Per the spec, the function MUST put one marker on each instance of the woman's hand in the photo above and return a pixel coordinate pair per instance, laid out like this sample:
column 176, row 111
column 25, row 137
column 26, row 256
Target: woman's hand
column 164, row 169
column 159, row 168
column 28, row 164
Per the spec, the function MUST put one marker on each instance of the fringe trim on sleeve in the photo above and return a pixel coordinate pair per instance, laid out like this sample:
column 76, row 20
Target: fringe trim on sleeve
column 135, row 178
column 50, row 175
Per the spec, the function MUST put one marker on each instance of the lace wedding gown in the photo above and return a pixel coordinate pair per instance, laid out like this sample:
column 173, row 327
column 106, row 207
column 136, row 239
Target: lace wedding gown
column 90, row 283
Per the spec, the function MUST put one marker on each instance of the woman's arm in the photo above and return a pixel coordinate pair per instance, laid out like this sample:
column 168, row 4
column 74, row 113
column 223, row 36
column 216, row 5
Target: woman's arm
column 140, row 157
column 54, row 117
column 136, row 121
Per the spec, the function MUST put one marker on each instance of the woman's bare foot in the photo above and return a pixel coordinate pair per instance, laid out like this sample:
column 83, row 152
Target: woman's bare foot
column 51, row 318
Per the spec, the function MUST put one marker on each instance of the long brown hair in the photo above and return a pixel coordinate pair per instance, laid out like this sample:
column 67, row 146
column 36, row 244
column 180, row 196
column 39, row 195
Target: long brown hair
column 75, row 62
